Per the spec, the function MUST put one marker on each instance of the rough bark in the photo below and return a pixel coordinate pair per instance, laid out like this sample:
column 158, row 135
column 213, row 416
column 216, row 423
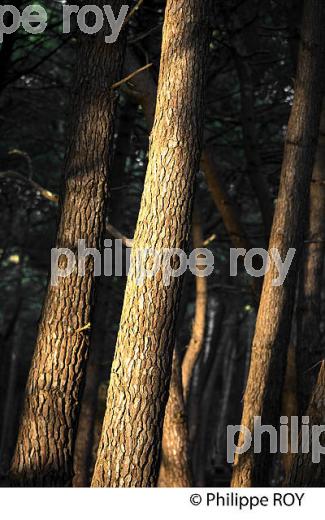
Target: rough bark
column 44, row 450
column 129, row 450
column 309, row 345
column 145, row 92
column 109, row 294
column 272, row 334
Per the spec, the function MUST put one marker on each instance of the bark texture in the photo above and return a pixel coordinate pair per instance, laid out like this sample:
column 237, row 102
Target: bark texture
column 44, row 450
column 107, row 310
column 145, row 92
column 272, row 334
column 129, row 450
column 310, row 350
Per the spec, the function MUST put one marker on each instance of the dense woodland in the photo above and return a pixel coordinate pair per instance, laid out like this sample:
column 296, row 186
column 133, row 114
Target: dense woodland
column 201, row 126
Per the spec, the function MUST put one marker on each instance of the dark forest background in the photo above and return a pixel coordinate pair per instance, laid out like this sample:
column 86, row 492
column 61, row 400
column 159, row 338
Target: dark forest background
column 251, row 70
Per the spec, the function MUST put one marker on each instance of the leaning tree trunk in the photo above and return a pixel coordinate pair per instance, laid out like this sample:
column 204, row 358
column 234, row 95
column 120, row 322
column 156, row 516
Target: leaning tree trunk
column 108, row 304
column 44, row 450
column 309, row 344
column 144, row 91
column 272, row 334
column 129, row 450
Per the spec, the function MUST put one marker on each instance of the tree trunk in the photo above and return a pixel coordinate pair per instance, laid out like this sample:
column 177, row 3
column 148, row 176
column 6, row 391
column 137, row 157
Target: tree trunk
column 289, row 401
column 304, row 472
column 201, row 374
column 175, row 468
column 108, row 304
column 145, row 92
column 44, row 450
column 175, row 464
column 129, row 450
column 195, row 346
column 309, row 345
column 272, row 334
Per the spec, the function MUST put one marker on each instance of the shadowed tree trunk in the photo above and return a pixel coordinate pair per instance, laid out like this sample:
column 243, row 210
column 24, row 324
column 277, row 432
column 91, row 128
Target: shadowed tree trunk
column 129, row 450
column 304, row 471
column 272, row 334
column 44, row 450
column 211, row 400
column 289, row 401
column 309, row 342
column 201, row 373
column 198, row 328
column 175, row 464
column 175, row 468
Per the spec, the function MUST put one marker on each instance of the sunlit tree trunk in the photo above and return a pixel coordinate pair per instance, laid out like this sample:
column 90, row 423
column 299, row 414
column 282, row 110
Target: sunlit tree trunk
column 44, row 450
column 272, row 334
column 129, row 450
column 145, row 91
column 109, row 294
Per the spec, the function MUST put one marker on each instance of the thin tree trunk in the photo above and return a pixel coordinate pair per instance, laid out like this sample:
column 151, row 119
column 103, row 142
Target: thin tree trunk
column 272, row 334
column 129, row 450
column 175, row 468
column 289, row 401
column 304, row 471
column 229, row 212
column 201, row 373
column 175, row 464
column 211, row 400
column 44, row 451
column 309, row 344
column 195, row 346
column 226, row 207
